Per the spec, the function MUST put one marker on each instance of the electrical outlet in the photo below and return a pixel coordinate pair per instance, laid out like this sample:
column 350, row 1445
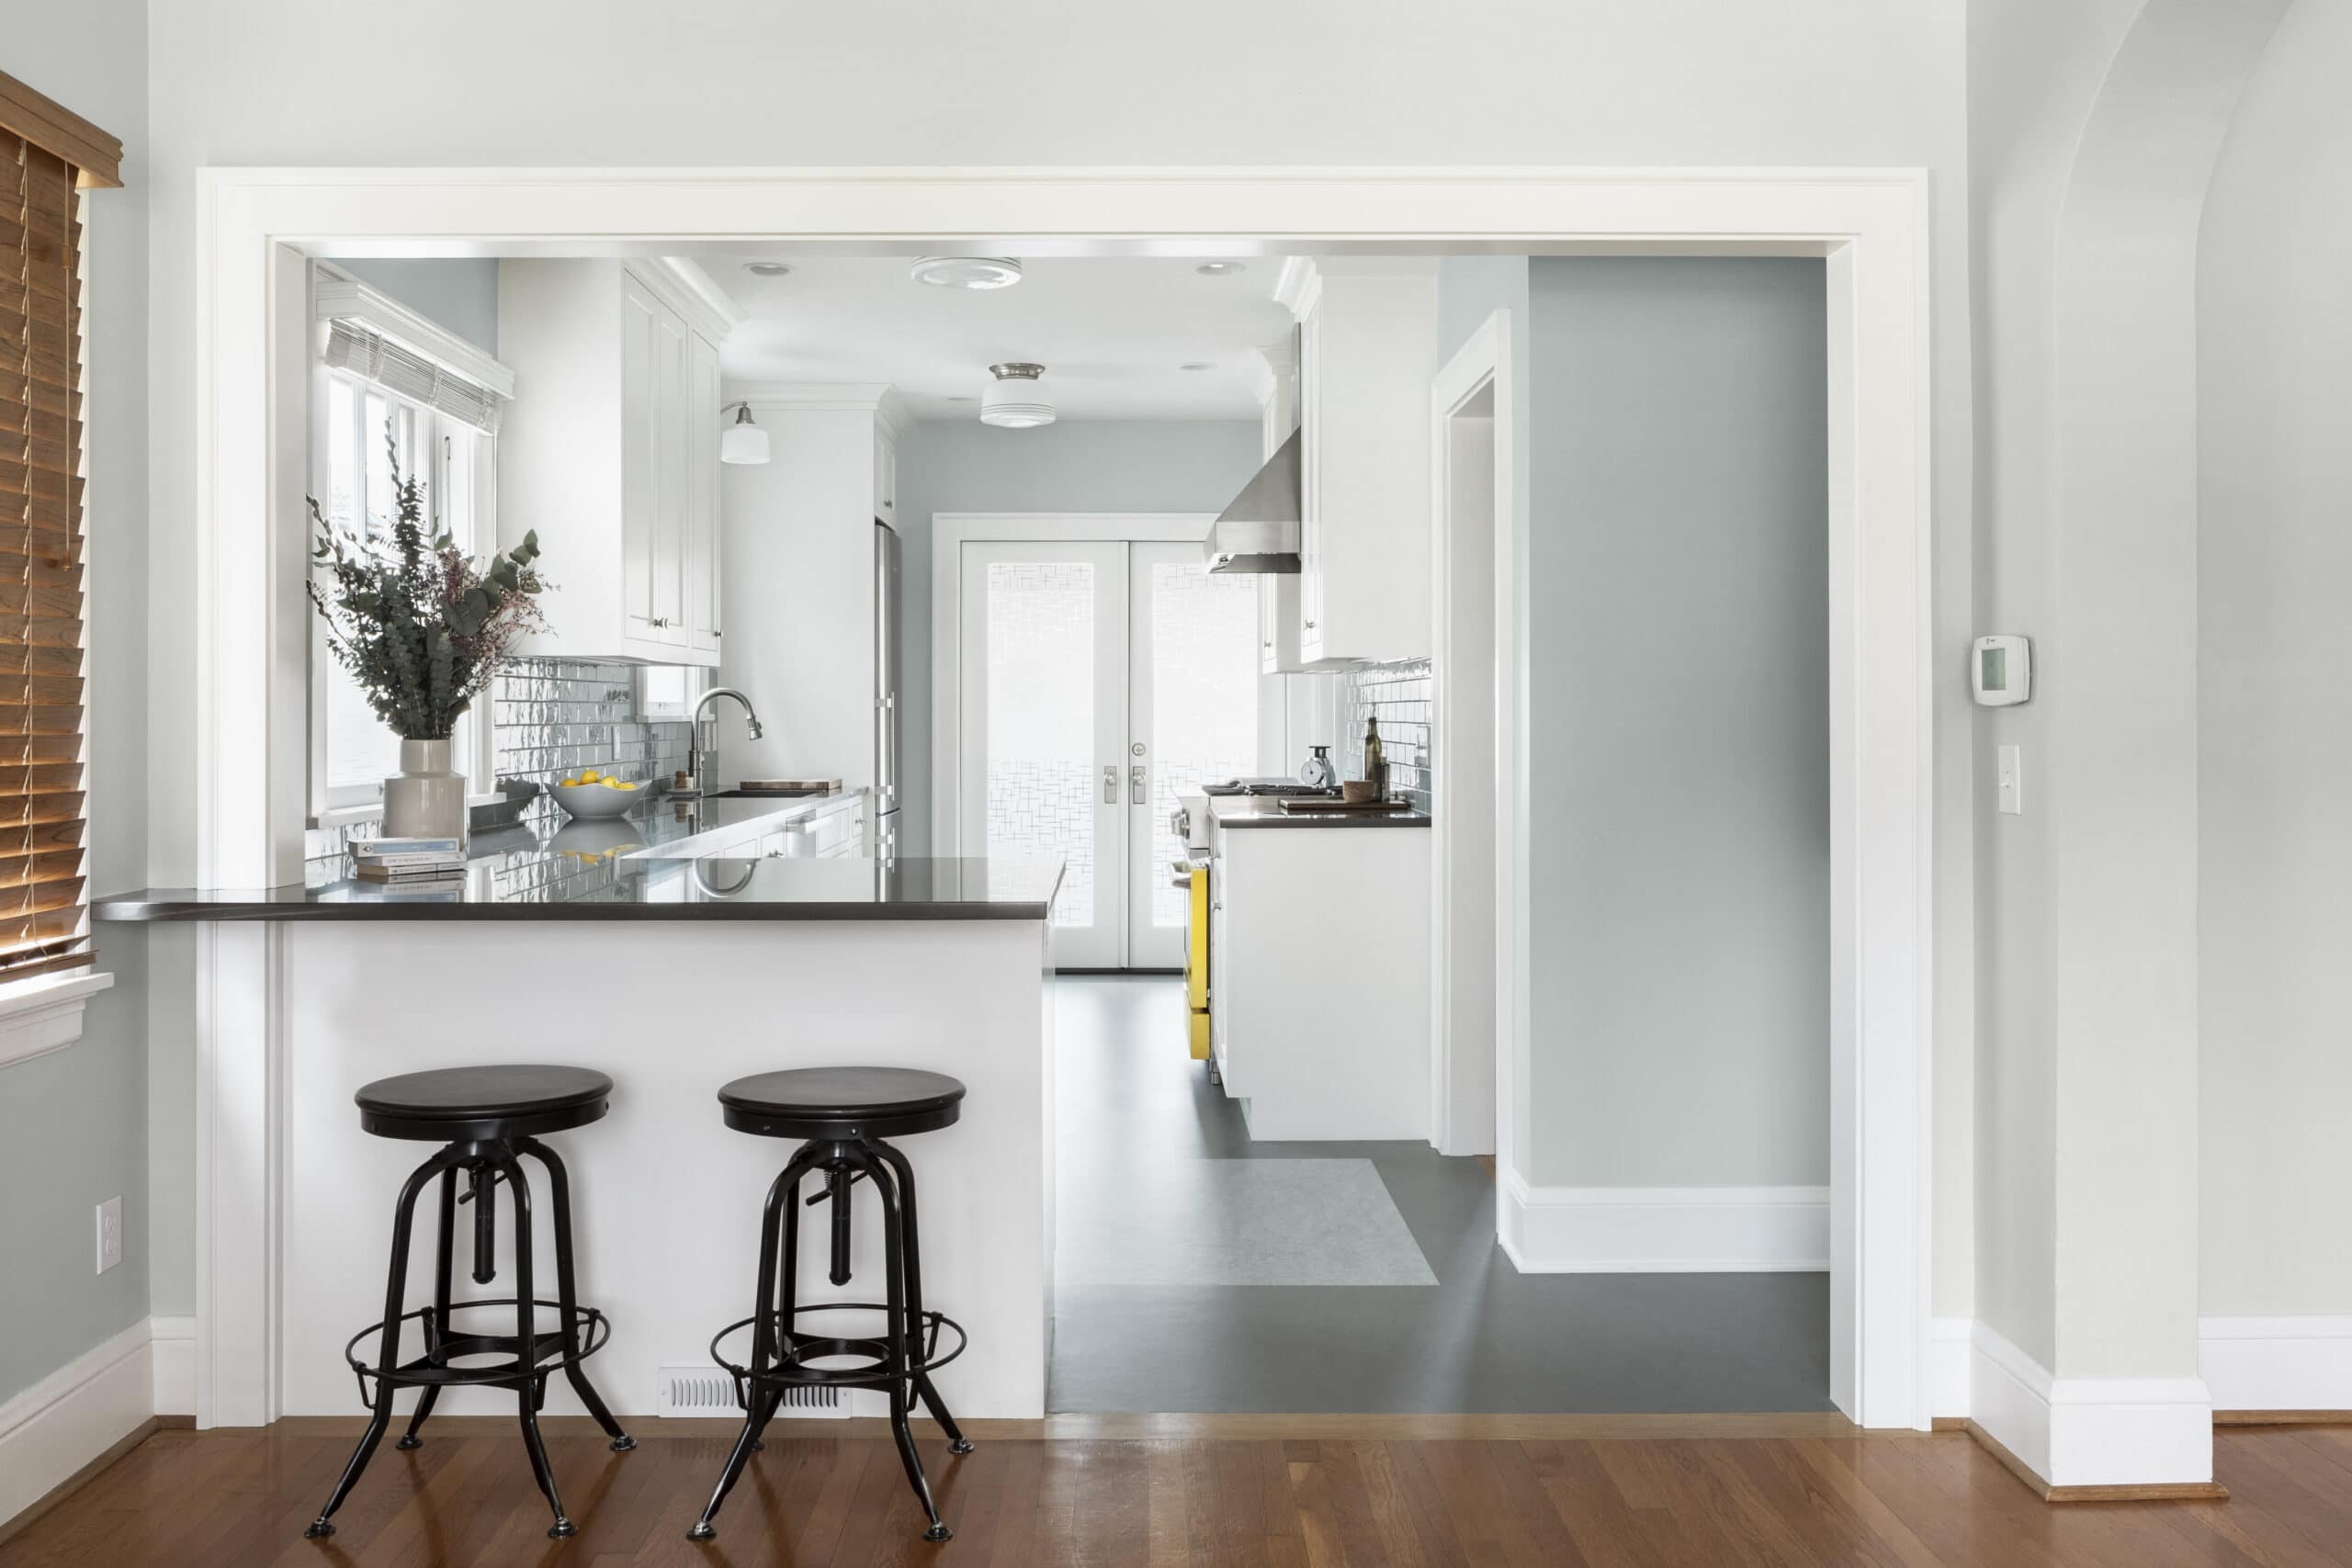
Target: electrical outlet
column 109, row 1234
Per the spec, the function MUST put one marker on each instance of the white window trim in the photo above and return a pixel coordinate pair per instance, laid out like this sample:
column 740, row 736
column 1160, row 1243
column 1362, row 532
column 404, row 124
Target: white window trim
column 44, row 1013
column 338, row 295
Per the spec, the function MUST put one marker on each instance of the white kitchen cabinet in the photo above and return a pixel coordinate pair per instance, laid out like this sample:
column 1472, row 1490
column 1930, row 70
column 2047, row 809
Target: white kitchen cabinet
column 1366, row 349
column 1319, row 979
column 610, row 453
column 1278, row 623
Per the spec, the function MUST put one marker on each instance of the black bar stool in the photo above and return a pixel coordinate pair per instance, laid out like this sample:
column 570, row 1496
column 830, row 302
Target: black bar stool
column 485, row 1118
column 845, row 1113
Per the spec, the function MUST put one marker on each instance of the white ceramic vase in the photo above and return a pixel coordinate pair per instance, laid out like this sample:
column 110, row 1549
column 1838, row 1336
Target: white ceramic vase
column 425, row 800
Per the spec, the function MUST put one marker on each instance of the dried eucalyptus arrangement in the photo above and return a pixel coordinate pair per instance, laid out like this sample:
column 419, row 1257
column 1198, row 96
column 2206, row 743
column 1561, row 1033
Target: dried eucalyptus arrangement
column 418, row 623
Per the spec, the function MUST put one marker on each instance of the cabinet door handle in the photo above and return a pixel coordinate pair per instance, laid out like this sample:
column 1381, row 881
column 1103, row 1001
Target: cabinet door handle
column 1110, row 784
column 1310, row 625
column 1139, row 792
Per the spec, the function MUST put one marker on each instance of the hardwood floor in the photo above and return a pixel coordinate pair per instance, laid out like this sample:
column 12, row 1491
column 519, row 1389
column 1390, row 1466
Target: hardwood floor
column 189, row 1499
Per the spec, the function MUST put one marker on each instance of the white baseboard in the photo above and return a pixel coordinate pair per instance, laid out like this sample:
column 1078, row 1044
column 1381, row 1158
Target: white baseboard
column 1948, row 1367
column 175, row 1365
column 2090, row 1431
column 1662, row 1230
column 2276, row 1363
column 72, row 1416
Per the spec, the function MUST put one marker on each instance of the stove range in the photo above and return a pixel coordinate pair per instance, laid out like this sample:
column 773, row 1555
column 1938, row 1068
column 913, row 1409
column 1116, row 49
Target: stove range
column 1269, row 787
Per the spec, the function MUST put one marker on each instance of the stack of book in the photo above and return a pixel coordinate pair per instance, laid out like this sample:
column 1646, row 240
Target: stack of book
column 409, row 862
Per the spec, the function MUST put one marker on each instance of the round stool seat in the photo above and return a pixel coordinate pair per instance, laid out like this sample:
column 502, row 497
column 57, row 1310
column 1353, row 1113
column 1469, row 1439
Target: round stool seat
column 456, row 1104
column 841, row 1103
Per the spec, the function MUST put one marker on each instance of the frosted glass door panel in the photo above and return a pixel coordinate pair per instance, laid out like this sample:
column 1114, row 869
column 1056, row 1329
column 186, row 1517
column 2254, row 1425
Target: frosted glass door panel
column 1193, row 683
column 1044, row 644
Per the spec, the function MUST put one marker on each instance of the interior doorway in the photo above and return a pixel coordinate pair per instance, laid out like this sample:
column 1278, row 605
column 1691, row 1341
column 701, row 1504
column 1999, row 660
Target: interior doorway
column 1094, row 679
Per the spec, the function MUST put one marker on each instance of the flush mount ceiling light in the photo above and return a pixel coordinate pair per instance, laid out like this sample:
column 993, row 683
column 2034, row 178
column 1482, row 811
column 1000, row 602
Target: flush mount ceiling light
column 743, row 442
column 967, row 272
column 1018, row 399
column 1220, row 269
column 767, row 268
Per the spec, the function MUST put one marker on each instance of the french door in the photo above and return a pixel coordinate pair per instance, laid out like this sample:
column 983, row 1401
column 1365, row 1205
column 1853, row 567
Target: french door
column 1098, row 679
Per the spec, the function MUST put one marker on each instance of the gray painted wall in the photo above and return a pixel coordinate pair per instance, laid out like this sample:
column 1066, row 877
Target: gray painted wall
column 1076, row 466
column 2275, row 709
column 460, row 294
column 1680, row 701
column 73, row 1124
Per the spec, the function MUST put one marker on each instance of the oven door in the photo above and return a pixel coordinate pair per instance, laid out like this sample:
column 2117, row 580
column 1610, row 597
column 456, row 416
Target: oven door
column 1194, row 879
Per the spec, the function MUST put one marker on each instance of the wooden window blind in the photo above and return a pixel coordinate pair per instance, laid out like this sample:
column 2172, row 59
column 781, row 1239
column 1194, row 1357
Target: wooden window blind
column 47, row 156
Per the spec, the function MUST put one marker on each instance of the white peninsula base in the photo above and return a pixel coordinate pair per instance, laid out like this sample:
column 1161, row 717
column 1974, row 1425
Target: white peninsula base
column 666, row 1199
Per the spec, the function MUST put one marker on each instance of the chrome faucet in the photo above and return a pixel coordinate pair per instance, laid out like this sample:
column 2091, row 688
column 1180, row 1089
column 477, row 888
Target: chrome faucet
column 701, row 750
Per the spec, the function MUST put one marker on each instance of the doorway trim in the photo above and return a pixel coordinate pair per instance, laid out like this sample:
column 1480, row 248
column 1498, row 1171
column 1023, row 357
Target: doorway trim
column 255, row 227
column 1482, row 366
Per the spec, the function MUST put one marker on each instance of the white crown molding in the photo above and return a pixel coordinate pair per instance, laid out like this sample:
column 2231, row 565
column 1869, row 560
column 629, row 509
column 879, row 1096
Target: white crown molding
column 890, row 409
column 2292, row 1362
column 1297, row 285
column 1664, row 1230
column 337, row 295
column 867, row 396
column 719, row 312
column 50, row 1430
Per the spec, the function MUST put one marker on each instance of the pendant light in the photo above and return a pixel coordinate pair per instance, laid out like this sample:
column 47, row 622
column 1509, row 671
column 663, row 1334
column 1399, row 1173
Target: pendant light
column 1018, row 399
column 743, row 442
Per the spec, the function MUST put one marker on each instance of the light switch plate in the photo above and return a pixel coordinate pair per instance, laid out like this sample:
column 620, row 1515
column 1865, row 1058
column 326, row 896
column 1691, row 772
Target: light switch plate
column 2011, row 780
column 109, row 1234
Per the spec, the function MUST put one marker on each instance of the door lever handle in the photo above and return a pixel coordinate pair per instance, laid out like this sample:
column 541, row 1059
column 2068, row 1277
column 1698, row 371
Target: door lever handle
column 1139, row 796
column 1110, row 784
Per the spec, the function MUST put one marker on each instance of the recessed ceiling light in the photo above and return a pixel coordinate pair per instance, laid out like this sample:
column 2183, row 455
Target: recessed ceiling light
column 960, row 398
column 967, row 272
column 1196, row 364
column 1220, row 269
column 767, row 268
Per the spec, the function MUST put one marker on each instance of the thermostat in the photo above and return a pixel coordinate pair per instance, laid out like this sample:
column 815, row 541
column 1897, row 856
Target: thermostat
column 2002, row 670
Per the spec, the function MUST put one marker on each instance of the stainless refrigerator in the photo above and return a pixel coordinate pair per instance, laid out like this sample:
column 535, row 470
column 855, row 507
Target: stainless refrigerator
column 885, row 836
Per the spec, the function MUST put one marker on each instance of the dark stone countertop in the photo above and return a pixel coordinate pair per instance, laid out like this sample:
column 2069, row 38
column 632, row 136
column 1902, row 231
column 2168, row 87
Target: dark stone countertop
column 598, row 871
column 1266, row 811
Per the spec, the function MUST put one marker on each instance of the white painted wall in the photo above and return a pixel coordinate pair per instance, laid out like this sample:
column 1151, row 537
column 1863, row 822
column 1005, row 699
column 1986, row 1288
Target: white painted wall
column 1679, row 701
column 2275, row 703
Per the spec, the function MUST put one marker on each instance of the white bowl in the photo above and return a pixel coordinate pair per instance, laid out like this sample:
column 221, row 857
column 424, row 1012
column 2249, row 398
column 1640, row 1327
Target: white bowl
column 594, row 802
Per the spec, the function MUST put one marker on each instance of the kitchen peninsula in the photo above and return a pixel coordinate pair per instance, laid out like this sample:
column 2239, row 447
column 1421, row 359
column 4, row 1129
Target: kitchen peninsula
column 629, row 951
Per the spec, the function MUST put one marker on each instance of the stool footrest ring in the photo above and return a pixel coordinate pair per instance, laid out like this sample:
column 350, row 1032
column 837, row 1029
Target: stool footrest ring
column 798, row 1346
column 551, row 1349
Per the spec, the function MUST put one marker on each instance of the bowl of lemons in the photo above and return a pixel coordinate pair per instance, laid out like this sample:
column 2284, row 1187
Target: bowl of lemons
column 589, row 796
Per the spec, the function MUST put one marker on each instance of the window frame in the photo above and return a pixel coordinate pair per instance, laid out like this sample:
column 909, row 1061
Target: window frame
column 474, row 748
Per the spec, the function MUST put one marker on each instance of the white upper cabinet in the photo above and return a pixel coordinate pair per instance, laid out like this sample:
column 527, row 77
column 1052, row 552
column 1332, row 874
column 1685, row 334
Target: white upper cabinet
column 886, row 475
column 610, row 456
column 1278, row 613
column 1367, row 342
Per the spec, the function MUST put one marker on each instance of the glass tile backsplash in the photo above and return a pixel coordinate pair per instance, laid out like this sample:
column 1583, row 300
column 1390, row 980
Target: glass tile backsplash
column 553, row 717
column 1398, row 695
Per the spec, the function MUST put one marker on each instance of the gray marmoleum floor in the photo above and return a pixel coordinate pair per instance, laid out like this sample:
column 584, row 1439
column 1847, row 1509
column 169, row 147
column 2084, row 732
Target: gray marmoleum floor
column 1135, row 1117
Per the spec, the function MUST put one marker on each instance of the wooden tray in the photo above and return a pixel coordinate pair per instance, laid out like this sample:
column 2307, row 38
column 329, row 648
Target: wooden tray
column 1362, row 807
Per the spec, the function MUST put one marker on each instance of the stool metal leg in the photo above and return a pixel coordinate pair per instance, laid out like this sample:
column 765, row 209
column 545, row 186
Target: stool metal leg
column 567, row 1296
column 957, row 1443
column 437, row 1322
column 527, row 1337
column 904, row 1349
column 388, row 1357
column 760, row 1403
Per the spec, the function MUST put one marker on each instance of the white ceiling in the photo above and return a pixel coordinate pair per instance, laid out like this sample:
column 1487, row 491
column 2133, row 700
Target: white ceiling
column 1110, row 331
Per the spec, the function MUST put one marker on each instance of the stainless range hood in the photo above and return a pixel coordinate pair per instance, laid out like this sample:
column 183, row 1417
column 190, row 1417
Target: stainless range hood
column 1259, row 532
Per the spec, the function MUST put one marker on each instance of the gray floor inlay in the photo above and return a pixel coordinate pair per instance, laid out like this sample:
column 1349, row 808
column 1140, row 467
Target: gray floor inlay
column 1135, row 1124
column 1237, row 1222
